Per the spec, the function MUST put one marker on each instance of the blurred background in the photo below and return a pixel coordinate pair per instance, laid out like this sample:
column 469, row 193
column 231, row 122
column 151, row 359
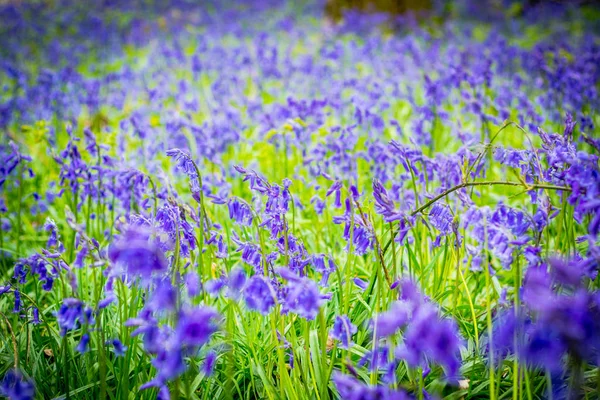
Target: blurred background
column 57, row 31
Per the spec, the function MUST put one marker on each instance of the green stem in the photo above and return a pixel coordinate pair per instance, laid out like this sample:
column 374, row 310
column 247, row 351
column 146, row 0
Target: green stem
column 14, row 341
column 19, row 224
column 488, row 304
column 517, row 287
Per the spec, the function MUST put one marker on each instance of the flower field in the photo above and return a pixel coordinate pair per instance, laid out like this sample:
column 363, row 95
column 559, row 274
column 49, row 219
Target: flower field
column 256, row 201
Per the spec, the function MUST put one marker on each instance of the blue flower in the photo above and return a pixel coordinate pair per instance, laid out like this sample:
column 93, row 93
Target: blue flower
column 208, row 366
column 240, row 212
column 72, row 314
column 185, row 163
column 195, row 326
column 83, row 345
column 118, row 347
column 350, row 388
column 192, row 283
column 303, row 297
column 138, row 254
column 15, row 387
column 343, row 330
column 236, row 282
column 259, row 294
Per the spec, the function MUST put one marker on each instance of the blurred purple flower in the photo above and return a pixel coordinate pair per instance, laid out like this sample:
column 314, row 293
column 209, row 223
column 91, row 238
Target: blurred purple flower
column 343, row 330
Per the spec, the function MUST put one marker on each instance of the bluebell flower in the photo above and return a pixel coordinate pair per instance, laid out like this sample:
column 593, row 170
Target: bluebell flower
column 441, row 218
column 566, row 272
column 240, row 212
column 80, row 256
column 118, row 347
column 430, row 337
column 16, row 387
column 185, row 163
column 172, row 221
column 389, row 322
column 343, row 330
column 153, row 336
column 236, row 282
column 195, row 326
column 192, row 283
column 169, row 364
column 217, row 239
column 54, row 239
column 17, row 304
column 350, row 388
column 376, row 360
column 251, row 253
column 215, row 286
column 83, row 345
column 303, row 298
column 318, row 204
column 163, row 297
column 71, row 315
column 362, row 284
column 259, row 294
column 324, row 265
column 137, row 253
column 383, row 204
column 337, row 189
column 208, row 366
column 163, row 393
column 36, row 314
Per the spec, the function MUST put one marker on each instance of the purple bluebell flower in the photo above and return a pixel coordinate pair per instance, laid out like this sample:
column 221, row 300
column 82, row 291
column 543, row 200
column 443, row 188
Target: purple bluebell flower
column 318, row 204
column 337, row 189
column 192, row 283
column 430, row 337
column 236, row 282
column 138, row 254
column 215, row 286
column 383, row 204
column 17, row 304
column 343, row 330
column 389, row 322
column 54, row 239
column 154, row 337
column 251, row 253
column 163, row 393
column 375, row 360
column 259, row 294
column 302, row 295
column 440, row 217
column 36, row 315
column 566, row 272
column 350, row 388
column 185, row 163
column 361, row 283
column 210, row 361
column 195, row 326
column 217, row 239
column 324, row 265
column 240, row 212
column 508, row 323
column 169, row 364
column 70, row 315
column 16, row 387
column 106, row 301
column 118, row 347
column 172, row 221
column 163, row 297
column 83, row 345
